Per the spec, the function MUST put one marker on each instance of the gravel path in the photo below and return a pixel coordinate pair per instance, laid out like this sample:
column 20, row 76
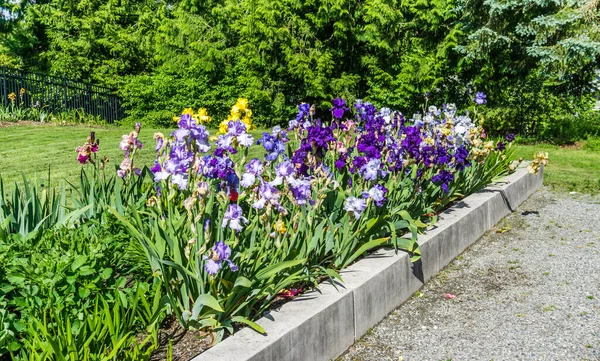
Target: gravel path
column 528, row 290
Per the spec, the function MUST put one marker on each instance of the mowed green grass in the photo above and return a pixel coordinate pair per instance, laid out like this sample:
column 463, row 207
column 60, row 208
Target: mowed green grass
column 572, row 170
column 33, row 149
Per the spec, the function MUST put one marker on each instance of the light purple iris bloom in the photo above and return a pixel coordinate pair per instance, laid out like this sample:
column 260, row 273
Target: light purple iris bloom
column 180, row 180
column 372, row 170
column 236, row 128
column 300, row 190
column 267, row 193
column 248, row 180
column 180, row 134
column 245, row 139
column 480, row 98
column 255, row 166
column 233, row 216
column 284, row 170
column 355, row 206
column 186, row 122
column 160, row 176
column 219, row 254
column 377, row 194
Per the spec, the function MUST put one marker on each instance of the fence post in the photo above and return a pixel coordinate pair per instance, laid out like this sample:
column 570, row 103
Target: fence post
column 5, row 91
column 65, row 91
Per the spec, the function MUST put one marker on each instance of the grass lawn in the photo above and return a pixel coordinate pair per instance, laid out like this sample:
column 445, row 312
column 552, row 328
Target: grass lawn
column 33, row 148
column 568, row 169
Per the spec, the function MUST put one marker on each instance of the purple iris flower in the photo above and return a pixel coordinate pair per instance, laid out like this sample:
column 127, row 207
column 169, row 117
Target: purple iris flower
column 377, row 194
column 274, row 143
column 155, row 168
column 268, row 194
column 339, row 108
column 412, row 142
column 248, row 180
column 500, row 146
column 480, row 98
column 254, row 168
column 245, row 140
column 372, row 170
column 355, row 206
column 303, row 111
column 460, row 158
column 218, row 255
column 300, row 190
column 180, row 134
column 442, row 156
column 444, row 177
column 236, row 128
column 234, row 217
column 284, row 170
column 365, row 110
column 224, row 145
column 510, row 137
column 186, row 122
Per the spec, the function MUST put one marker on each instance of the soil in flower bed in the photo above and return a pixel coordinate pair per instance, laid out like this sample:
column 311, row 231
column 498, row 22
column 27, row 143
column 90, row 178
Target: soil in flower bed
column 189, row 344
column 186, row 344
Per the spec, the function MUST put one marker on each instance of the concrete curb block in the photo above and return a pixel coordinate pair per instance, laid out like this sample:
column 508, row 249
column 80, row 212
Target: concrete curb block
column 322, row 324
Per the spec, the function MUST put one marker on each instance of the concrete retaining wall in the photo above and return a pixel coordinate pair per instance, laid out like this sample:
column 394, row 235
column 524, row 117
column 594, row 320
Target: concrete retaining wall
column 322, row 324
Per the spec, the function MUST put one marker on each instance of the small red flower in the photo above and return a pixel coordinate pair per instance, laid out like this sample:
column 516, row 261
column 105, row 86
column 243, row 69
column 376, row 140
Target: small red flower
column 450, row 296
column 292, row 292
column 233, row 196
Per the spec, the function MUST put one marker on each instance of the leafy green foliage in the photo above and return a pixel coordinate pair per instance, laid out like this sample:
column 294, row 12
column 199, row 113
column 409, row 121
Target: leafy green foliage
column 166, row 56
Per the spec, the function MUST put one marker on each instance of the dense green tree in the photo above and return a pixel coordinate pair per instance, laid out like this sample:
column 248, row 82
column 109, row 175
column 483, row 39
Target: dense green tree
column 536, row 59
column 164, row 55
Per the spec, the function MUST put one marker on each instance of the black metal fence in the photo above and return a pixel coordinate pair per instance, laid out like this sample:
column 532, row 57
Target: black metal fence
column 56, row 94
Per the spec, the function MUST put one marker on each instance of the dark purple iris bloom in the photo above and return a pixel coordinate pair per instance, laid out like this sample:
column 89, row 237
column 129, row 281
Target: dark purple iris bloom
column 217, row 167
column 365, row 110
column 302, row 117
column 480, row 98
column 500, row 146
column 339, row 108
column 233, row 182
column 460, row 158
column 358, row 162
column 155, row 168
column 340, row 163
column 316, row 142
column 342, row 160
column 510, row 137
column 320, row 136
column 442, row 157
column 427, row 155
column 444, row 177
column 412, row 142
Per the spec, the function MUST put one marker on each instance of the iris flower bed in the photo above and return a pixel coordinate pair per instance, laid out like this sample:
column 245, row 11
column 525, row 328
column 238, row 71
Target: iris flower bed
column 213, row 238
